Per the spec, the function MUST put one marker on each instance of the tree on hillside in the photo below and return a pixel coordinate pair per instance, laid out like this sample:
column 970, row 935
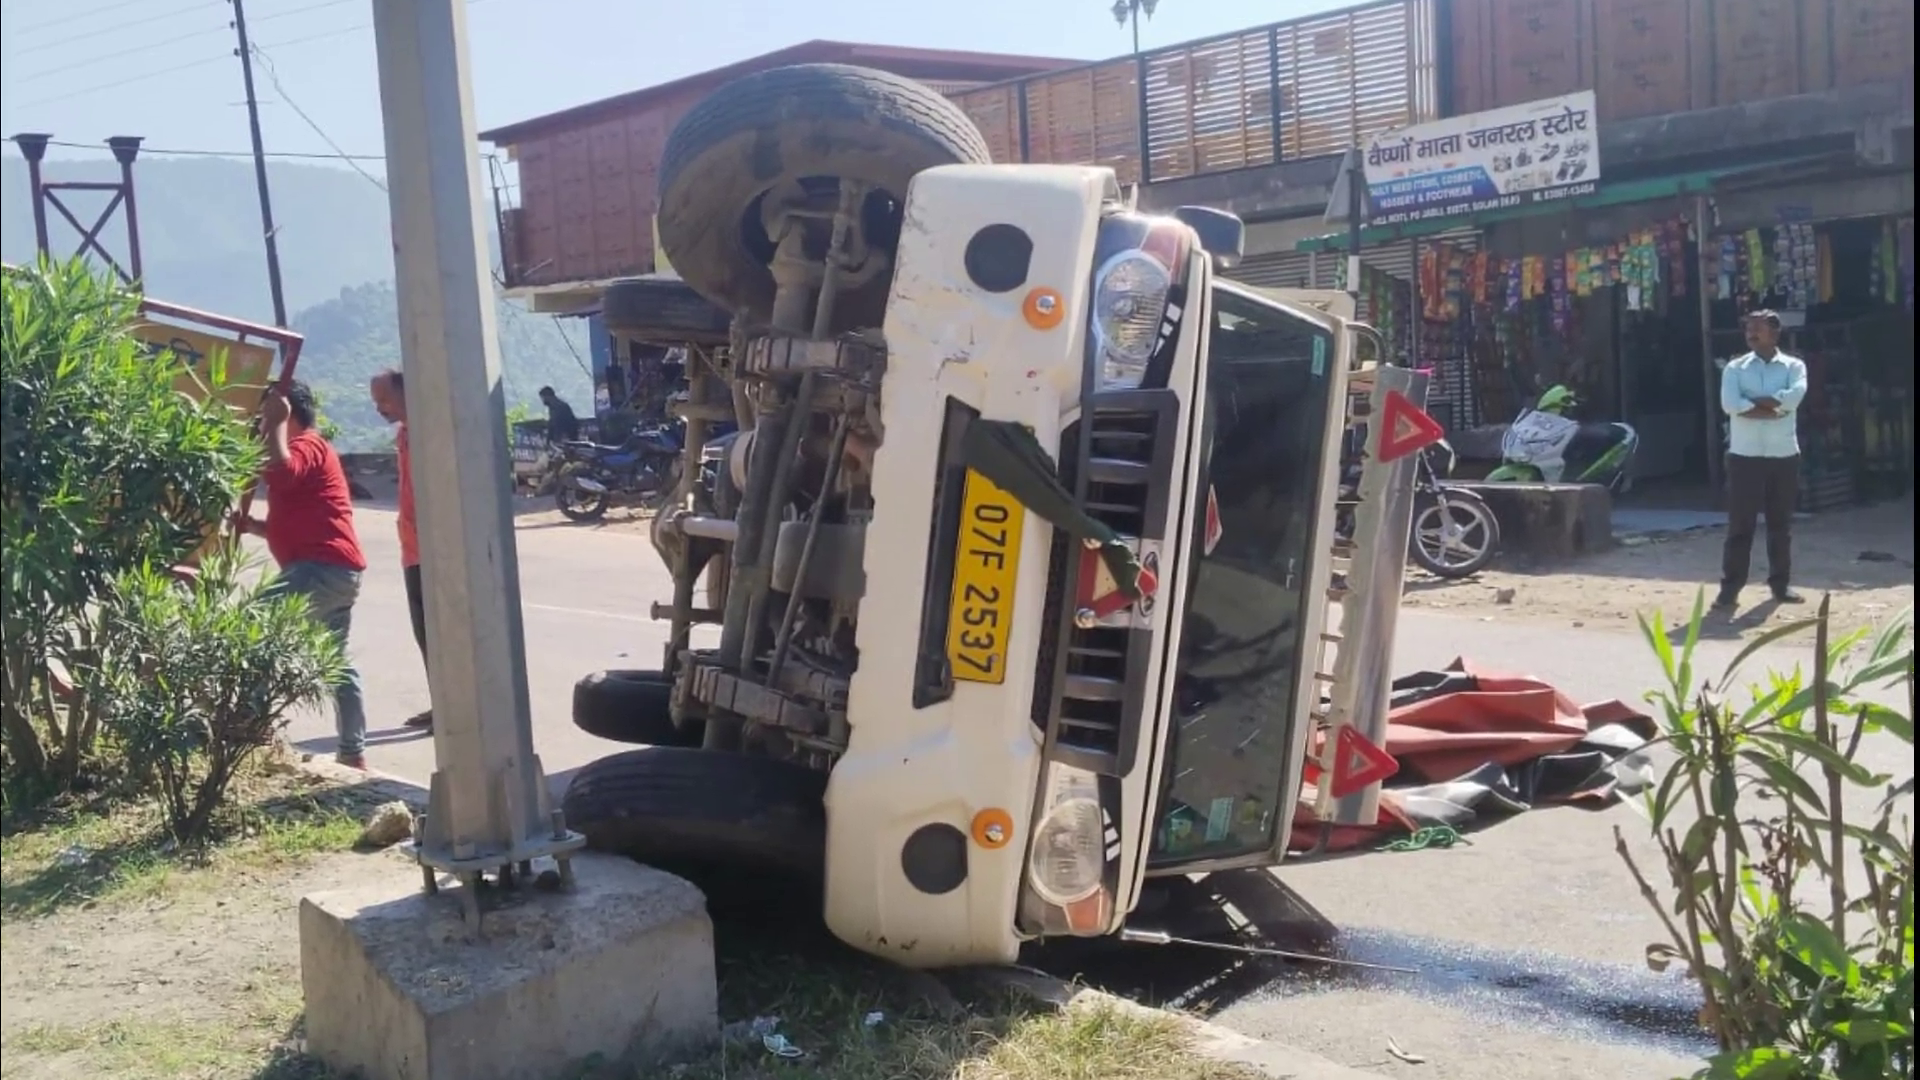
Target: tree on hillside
column 351, row 338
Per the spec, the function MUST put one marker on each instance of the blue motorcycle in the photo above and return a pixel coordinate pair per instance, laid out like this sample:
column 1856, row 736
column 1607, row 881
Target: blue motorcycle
column 643, row 468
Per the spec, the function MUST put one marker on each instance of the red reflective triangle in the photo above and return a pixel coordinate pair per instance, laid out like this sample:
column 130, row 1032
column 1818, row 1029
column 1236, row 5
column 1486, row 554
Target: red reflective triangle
column 1405, row 428
column 1357, row 762
column 1214, row 531
column 1098, row 592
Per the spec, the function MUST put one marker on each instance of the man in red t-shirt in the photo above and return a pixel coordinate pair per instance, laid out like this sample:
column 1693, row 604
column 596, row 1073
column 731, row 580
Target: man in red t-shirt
column 389, row 391
column 309, row 530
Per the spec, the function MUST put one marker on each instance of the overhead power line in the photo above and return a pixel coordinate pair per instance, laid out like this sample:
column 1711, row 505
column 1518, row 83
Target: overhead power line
column 130, row 23
column 188, row 65
column 128, row 81
column 273, row 76
column 32, row 28
column 93, row 61
column 160, row 151
column 291, row 155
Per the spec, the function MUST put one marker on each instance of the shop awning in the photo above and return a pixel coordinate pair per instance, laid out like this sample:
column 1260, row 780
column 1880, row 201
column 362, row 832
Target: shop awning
column 1698, row 182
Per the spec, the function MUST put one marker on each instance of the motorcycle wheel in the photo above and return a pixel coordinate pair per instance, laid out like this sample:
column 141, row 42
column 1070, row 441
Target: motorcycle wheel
column 576, row 505
column 1454, row 534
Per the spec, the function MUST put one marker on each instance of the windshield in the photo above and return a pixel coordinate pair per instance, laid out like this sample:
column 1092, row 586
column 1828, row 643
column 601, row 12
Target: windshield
column 1270, row 375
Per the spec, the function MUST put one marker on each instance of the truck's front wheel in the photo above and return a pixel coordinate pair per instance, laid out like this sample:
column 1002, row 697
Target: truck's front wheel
column 630, row 707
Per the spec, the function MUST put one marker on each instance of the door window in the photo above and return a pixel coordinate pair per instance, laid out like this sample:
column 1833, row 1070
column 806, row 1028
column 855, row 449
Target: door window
column 1241, row 651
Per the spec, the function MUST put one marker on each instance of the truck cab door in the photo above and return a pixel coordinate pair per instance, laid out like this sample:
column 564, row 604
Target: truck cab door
column 1244, row 688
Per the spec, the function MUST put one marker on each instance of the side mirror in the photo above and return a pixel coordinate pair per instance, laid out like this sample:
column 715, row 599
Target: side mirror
column 1223, row 235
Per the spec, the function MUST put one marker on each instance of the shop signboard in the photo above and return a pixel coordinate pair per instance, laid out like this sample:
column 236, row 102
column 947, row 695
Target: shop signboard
column 1535, row 152
column 214, row 364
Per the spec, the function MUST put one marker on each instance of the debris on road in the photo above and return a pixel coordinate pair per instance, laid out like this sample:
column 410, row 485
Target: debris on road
column 390, row 824
column 1472, row 744
column 1411, row 1059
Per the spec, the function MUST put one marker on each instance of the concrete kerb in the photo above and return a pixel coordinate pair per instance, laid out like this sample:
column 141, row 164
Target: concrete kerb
column 620, row 967
column 1209, row 1040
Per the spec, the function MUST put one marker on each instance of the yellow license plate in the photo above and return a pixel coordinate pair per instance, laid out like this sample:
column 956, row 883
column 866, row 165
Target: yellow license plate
column 986, row 567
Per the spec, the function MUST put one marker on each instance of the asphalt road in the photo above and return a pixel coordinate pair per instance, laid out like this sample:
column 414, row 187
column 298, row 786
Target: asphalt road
column 1529, row 942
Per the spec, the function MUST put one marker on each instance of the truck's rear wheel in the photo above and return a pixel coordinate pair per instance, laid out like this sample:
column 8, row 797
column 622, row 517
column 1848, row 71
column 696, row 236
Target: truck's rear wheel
column 802, row 123
column 680, row 807
column 630, row 707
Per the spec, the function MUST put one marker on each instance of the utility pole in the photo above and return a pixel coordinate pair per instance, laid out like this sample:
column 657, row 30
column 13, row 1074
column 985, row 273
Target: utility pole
column 260, row 168
column 488, row 808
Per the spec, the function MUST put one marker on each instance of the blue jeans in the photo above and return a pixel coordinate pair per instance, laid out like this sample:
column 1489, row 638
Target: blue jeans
column 330, row 591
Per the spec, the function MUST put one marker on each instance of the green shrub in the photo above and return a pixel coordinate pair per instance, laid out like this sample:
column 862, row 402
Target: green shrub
column 196, row 677
column 1793, row 913
column 104, row 467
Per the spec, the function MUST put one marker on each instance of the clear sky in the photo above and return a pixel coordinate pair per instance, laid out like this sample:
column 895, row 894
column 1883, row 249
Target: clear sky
column 165, row 69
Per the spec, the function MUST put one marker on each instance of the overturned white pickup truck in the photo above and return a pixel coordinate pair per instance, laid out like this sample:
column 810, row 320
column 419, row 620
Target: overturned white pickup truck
column 1021, row 559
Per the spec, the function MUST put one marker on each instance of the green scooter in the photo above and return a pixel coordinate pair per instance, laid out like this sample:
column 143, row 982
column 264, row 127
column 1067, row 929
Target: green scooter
column 1545, row 444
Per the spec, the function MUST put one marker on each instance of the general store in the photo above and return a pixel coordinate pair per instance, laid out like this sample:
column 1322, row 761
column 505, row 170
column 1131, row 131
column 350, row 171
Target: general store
column 1780, row 132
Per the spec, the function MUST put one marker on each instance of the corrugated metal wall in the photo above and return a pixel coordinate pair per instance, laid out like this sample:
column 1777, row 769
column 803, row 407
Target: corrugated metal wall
column 1304, row 88
column 1650, row 57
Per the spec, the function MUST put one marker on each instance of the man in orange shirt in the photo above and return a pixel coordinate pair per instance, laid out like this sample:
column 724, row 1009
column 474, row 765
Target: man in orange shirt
column 389, row 390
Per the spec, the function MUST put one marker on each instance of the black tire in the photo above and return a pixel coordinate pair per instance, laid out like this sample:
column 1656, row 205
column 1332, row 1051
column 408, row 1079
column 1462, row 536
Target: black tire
column 579, row 505
column 662, row 310
column 630, row 707
column 789, row 124
column 683, row 807
column 1471, row 549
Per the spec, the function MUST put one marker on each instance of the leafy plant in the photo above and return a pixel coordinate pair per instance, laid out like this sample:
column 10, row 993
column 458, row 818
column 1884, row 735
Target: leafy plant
column 1791, row 908
column 198, row 676
column 104, row 466
column 323, row 423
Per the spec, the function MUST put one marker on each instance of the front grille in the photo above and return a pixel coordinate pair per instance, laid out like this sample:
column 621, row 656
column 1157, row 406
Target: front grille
column 1089, row 692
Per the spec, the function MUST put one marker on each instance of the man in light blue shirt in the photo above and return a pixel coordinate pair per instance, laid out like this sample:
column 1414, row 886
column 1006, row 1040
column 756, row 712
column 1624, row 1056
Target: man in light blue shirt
column 1761, row 393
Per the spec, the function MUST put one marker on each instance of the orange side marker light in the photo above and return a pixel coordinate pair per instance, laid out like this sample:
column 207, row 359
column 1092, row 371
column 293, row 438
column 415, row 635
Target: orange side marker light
column 993, row 829
column 1043, row 309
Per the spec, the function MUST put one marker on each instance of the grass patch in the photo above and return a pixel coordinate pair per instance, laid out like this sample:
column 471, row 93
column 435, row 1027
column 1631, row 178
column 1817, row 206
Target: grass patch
column 159, row 1050
column 254, row 1040
column 856, row 1018
column 98, row 850
column 851, row 1017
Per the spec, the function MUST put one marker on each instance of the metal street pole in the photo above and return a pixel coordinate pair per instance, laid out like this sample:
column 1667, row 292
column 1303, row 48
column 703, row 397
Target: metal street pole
column 488, row 808
column 1356, row 215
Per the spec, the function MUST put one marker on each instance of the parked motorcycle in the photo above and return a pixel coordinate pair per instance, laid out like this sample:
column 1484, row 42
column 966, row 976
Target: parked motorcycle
column 643, row 466
column 1545, row 444
column 1454, row 532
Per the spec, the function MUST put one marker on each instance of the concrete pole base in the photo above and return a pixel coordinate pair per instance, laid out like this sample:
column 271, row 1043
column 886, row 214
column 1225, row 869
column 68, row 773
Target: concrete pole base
column 621, row 967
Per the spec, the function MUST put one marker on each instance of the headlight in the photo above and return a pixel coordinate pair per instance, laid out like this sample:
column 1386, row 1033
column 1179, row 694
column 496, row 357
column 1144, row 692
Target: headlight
column 1129, row 302
column 1069, row 852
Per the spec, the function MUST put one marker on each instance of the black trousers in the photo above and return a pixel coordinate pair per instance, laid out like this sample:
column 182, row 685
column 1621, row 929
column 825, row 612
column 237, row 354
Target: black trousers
column 1759, row 487
column 417, row 608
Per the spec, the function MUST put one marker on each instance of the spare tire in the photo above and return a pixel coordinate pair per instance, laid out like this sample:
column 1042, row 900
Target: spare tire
column 662, row 310
column 797, row 123
column 676, row 807
column 630, row 707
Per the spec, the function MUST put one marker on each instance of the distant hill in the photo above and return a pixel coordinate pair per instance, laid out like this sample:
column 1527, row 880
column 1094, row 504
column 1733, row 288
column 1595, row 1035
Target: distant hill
column 201, row 246
column 352, row 337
